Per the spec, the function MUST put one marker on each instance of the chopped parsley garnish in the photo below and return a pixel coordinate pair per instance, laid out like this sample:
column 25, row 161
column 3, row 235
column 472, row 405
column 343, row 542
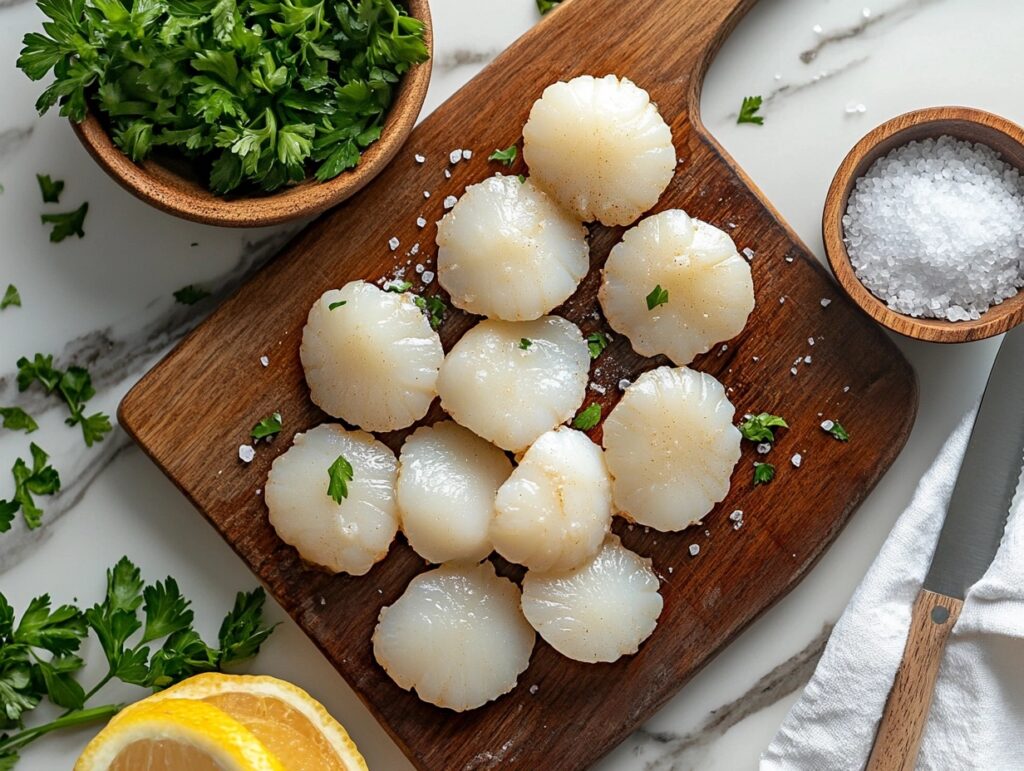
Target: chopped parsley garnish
column 547, row 5
column 506, row 156
column 11, row 297
column 269, row 426
column 748, row 110
column 763, row 473
column 190, row 295
column 589, row 418
column 597, row 342
column 40, row 479
column 50, row 188
column 525, row 343
column 16, row 419
column 434, row 307
column 67, row 223
column 835, row 428
column 340, row 474
column 398, row 286
column 74, row 386
column 254, row 94
column 758, row 428
column 658, row 296
column 521, row 178
column 338, row 304
column 38, row 653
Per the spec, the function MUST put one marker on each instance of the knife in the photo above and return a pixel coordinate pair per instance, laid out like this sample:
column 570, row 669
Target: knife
column 967, row 545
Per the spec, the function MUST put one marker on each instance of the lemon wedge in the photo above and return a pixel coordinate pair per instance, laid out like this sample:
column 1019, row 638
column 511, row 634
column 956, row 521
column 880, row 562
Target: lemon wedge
column 173, row 735
column 289, row 722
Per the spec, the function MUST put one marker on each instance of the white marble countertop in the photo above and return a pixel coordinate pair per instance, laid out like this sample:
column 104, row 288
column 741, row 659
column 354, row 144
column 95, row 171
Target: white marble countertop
column 105, row 301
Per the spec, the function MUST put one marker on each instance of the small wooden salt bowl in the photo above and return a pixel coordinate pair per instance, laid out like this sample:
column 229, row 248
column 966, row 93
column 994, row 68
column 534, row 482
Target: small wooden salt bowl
column 964, row 123
column 175, row 189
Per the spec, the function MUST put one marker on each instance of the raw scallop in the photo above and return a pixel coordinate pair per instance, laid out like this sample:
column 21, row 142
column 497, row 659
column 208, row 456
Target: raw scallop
column 456, row 636
column 671, row 447
column 346, row 537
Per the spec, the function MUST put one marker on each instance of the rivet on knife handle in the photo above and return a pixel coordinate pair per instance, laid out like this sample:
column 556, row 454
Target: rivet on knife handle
column 906, row 710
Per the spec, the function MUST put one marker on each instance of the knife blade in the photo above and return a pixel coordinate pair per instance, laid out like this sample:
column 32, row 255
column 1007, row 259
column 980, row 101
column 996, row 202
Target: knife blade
column 970, row 536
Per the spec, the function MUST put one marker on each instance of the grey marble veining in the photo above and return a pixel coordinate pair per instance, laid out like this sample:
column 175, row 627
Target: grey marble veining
column 891, row 17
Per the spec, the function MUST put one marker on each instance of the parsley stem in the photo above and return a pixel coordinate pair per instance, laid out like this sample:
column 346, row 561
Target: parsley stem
column 96, row 689
column 79, row 717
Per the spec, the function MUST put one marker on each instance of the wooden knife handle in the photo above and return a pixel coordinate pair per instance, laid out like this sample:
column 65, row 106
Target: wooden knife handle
column 906, row 710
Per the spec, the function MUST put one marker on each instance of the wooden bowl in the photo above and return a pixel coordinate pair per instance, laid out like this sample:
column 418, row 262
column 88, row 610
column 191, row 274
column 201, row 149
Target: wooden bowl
column 964, row 123
column 174, row 191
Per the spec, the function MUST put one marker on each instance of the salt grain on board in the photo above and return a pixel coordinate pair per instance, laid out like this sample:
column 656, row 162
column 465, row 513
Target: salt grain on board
column 246, row 453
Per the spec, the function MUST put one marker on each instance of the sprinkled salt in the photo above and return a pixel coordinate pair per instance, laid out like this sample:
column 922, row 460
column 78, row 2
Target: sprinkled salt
column 855, row 108
column 419, row 268
column 737, row 516
column 467, row 154
column 810, row 341
column 694, row 549
column 792, row 370
column 265, row 361
column 447, row 173
column 817, row 29
column 419, row 158
column 825, row 302
column 455, row 156
column 450, row 201
column 807, row 359
column 748, row 253
column 598, row 388
column 415, row 250
column 534, row 688
column 421, row 222
column 764, row 448
column 827, row 425
column 428, row 276
column 623, row 384
column 936, row 229
column 246, row 453
column 393, row 243
column 797, row 459
column 426, row 194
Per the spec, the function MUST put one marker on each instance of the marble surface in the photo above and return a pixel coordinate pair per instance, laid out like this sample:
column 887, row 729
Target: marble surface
column 105, row 301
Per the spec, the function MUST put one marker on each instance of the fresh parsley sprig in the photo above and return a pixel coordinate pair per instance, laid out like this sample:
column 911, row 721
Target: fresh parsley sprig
column 11, row 298
column 267, row 427
column 38, row 479
column 506, row 156
column 74, row 386
column 763, row 473
column 760, row 428
column 339, row 474
column 16, row 419
column 588, row 418
column 65, row 224
column 50, row 188
column 544, row 6
column 748, row 110
column 658, row 296
column 597, row 342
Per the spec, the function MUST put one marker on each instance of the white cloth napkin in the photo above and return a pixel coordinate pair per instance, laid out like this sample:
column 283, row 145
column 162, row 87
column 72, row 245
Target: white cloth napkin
column 977, row 717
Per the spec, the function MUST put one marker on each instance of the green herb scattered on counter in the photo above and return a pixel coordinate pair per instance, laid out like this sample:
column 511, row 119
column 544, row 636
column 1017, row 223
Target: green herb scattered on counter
column 40, row 479
column 67, row 224
column 521, row 178
column 268, row 427
column 11, row 298
column 256, row 92
column 658, row 296
column 338, row 304
column 340, row 474
column 835, row 428
column 547, row 5
column 506, row 156
column 38, row 654
column 748, row 110
column 190, row 295
column 434, row 307
column 50, row 188
column 398, row 286
column 763, row 473
column 759, row 428
column 525, row 343
column 16, row 419
column 597, row 342
column 589, row 418
column 74, row 386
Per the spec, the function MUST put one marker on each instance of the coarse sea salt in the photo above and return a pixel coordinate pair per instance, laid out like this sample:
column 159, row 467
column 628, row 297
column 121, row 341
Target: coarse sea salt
column 935, row 229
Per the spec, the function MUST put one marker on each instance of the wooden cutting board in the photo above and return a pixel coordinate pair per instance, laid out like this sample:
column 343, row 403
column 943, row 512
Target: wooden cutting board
column 195, row 408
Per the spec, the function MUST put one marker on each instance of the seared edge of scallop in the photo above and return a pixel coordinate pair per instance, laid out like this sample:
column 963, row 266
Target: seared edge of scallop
column 709, row 286
column 447, row 480
column 555, row 510
column 509, row 382
column 508, row 251
column 457, row 636
column 599, row 611
column 600, row 147
column 670, row 446
column 372, row 359
column 347, row 537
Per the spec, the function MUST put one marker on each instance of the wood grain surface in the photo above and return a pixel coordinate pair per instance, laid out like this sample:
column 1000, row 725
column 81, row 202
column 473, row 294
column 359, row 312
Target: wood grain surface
column 195, row 408
column 964, row 123
column 906, row 710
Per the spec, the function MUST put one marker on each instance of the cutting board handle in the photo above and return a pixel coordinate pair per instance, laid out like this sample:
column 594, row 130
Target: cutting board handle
column 906, row 710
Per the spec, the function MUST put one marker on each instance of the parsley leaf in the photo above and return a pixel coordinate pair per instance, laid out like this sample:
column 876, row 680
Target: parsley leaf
column 836, row 430
column 166, row 610
column 16, row 419
column 748, row 110
column 67, row 223
column 658, row 296
column 338, row 304
column 242, row 632
column 11, row 297
column 74, row 386
column 588, row 418
column 190, row 295
column 597, row 342
column 398, row 286
column 763, row 473
column 525, row 343
column 547, row 5
column 40, row 479
column 268, row 427
column 506, row 156
column 50, row 188
column 340, row 474
column 758, row 428
column 434, row 307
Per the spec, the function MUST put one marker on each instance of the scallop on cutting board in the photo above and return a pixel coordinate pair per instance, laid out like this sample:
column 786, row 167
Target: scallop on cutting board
column 197, row 406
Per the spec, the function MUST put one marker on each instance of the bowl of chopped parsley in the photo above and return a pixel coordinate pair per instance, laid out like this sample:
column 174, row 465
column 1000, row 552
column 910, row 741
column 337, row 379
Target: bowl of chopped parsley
column 236, row 112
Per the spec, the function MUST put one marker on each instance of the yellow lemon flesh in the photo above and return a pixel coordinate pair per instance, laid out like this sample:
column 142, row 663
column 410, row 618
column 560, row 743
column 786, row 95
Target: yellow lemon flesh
column 173, row 735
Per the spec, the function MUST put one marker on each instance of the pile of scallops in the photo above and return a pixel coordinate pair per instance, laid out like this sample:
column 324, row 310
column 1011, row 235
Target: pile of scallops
column 506, row 473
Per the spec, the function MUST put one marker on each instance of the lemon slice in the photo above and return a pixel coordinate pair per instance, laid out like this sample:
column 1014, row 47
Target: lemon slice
column 176, row 734
column 288, row 721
